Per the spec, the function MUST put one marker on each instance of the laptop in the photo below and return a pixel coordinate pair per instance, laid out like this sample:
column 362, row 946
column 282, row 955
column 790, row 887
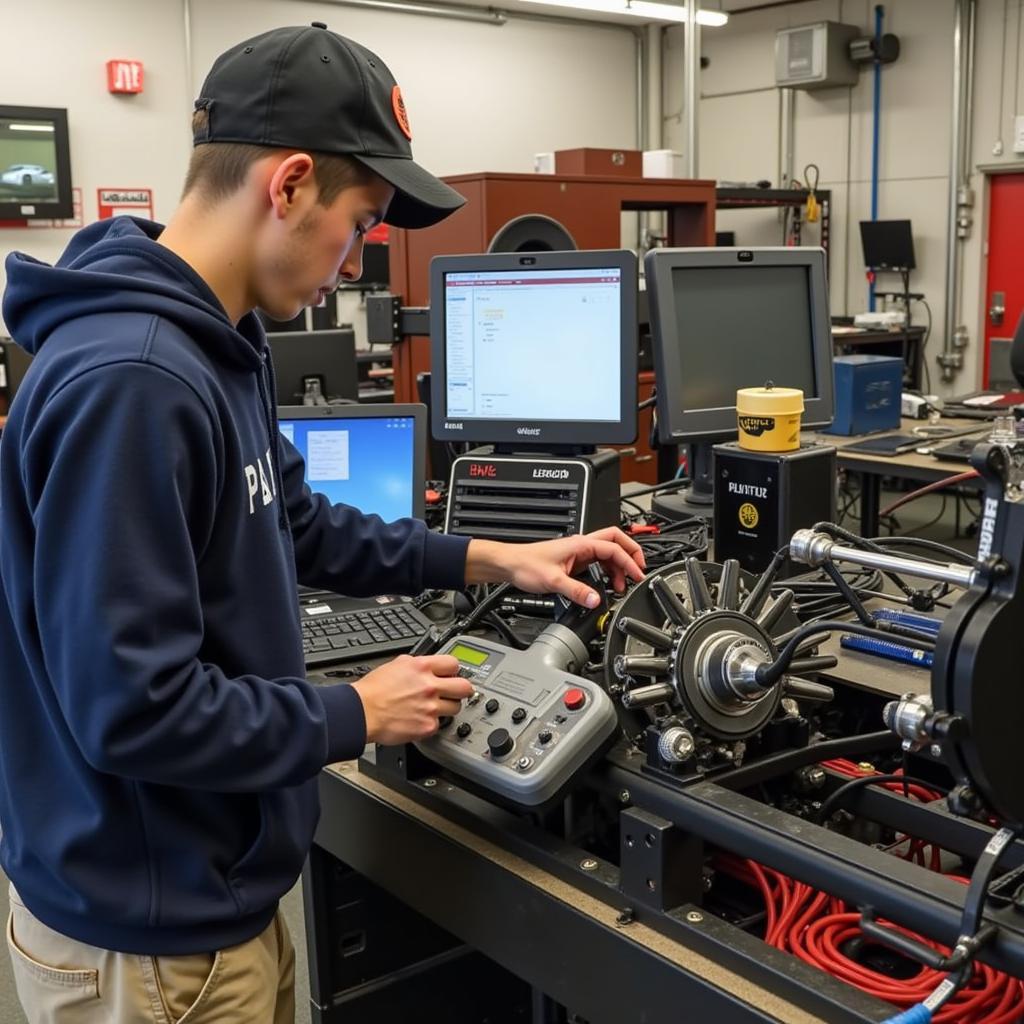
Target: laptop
column 373, row 458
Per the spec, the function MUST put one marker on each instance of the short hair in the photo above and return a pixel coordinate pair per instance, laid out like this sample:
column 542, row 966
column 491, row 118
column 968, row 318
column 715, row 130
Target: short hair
column 217, row 169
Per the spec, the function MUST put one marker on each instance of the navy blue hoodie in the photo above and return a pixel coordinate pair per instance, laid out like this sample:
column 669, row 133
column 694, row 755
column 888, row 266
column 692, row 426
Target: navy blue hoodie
column 159, row 744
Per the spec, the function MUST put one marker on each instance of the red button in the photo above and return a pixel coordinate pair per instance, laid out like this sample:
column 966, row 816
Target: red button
column 574, row 699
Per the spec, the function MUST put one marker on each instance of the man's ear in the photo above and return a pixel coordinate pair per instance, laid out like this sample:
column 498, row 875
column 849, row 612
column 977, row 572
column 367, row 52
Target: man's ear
column 290, row 181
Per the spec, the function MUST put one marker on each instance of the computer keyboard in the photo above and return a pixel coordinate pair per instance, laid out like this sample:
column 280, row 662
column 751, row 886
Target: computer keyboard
column 362, row 633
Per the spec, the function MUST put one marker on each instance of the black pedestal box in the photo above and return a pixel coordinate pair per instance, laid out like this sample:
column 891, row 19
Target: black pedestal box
column 762, row 498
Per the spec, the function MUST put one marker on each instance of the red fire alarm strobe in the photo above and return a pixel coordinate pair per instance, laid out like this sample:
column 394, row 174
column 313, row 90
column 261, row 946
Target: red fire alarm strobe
column 124, row 76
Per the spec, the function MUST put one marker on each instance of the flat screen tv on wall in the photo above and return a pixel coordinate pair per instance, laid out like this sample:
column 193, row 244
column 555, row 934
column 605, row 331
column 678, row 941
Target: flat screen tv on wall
column 35, row 164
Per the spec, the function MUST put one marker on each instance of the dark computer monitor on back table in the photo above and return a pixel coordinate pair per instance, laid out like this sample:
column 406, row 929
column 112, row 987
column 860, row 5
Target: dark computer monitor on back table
column 371, row 457
column 315, row 362
column 724, row 319
column 888, row 244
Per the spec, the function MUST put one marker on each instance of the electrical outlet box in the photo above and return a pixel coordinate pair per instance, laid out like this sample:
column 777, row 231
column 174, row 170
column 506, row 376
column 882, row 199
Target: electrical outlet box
column 1018, row 134
column 815, row 56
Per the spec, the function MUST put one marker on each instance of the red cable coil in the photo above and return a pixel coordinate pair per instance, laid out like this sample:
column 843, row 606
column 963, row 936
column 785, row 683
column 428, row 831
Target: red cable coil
column 813, row 926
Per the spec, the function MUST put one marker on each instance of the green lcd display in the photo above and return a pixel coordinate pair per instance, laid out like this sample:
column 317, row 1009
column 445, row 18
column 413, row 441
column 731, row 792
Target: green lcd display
column 470, row 655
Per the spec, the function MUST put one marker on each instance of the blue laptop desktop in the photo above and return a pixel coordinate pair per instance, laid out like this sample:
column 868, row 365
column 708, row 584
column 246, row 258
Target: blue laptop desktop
column 371, row 457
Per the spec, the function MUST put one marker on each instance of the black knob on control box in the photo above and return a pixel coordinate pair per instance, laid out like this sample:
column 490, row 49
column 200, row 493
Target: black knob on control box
column 491, row 706
column 518, row 715
column 499, row 742
column 463, row 730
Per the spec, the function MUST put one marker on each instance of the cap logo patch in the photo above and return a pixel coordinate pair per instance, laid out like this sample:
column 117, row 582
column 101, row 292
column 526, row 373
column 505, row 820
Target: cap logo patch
column 398, row 105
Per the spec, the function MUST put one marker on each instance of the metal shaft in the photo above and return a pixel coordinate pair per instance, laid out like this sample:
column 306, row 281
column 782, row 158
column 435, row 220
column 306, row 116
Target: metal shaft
column 817, row 548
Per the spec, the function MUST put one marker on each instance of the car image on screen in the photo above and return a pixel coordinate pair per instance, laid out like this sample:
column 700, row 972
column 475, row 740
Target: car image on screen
column 26, row 174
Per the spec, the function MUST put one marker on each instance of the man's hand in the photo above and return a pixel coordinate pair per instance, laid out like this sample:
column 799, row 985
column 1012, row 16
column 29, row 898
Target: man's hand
column 547, row 567
column 403, row 699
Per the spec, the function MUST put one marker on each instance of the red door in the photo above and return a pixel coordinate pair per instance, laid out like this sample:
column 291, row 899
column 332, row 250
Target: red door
column 1004, row 295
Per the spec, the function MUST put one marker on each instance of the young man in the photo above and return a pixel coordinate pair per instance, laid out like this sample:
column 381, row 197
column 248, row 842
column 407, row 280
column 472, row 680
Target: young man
column 159, row 744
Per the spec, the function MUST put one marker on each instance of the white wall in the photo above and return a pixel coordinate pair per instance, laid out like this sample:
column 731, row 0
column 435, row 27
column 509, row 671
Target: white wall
column 739, row 138
column 116, row 141
column 479, row 97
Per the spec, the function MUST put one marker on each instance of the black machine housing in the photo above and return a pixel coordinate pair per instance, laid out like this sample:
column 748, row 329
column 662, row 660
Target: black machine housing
column 762, row 498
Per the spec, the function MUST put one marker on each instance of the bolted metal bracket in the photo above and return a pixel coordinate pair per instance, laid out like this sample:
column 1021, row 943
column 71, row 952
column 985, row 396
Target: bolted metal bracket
column 660, row 866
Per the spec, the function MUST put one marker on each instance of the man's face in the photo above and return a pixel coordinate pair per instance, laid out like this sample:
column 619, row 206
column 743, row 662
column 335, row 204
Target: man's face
column 303, row 258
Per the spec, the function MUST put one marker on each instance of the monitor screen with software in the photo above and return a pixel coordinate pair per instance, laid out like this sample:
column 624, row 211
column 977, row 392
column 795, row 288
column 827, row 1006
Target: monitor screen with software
column 724, row 319
column 369, row 456
column 534, row 348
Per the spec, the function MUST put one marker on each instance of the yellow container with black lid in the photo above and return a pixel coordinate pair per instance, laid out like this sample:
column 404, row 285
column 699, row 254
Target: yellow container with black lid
column 769, row 418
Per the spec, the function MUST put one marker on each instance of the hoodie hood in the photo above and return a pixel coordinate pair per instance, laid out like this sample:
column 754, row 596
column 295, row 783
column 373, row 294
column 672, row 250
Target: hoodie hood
column 118, row 266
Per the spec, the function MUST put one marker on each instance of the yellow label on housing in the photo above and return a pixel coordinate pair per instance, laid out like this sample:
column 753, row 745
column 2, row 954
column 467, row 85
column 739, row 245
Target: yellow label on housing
column 749, row 517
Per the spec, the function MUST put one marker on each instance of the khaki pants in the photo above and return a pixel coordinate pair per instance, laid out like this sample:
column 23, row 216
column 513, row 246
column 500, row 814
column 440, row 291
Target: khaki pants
column 62, row 981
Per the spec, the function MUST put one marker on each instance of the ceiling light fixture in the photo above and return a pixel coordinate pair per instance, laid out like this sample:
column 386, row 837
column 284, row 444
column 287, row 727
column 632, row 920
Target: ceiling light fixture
column 30, row 127
column 458, row 12
column 641, row 9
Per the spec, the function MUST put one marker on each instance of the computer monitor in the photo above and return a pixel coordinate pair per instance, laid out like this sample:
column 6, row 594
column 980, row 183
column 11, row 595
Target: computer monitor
column 35, row 164
column 888, row 244
column 725, row 319
column 371, row 457
column 534, row 351
column 16, row 363
column 310, row 361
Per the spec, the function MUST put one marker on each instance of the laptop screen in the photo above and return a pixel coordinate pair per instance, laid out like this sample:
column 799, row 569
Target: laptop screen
column 368, row 462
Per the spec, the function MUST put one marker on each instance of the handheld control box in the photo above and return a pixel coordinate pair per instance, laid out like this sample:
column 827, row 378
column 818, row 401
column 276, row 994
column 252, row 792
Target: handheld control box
column 528, row 728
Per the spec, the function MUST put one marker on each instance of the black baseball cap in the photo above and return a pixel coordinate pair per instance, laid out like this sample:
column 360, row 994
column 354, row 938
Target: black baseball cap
column 309, row 88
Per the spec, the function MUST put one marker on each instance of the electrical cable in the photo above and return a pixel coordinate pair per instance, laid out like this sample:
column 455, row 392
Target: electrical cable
column 667, row 485
column 823, row 932
column 835, row 531
column 924, row 346
column 768, row 674
column 508, row 634
column 926, row 544
column 433, row 639
column 901, row 780
column 949, row 481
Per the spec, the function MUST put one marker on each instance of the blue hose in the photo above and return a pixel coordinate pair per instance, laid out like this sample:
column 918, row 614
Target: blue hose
column 919, row 1014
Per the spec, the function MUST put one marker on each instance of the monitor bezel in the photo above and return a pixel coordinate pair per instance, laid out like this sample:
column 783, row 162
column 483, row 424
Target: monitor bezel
column 537, row 434
column 378, row 411
column 677, row 425
column 64, row 207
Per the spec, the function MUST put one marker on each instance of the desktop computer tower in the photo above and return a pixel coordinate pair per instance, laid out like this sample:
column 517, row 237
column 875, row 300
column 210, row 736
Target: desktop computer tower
column 763, row 498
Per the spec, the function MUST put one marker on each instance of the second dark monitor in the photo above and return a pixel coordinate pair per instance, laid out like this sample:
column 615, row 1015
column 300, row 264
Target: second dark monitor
column 888, row 244
column 308, row 360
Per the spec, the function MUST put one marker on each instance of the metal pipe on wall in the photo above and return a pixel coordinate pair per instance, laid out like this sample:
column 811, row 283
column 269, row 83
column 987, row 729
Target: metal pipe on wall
column 691, row 97
column 787, row 135
column 655, row 41
column 955, row 336
column 186, row 12
column 641, row 88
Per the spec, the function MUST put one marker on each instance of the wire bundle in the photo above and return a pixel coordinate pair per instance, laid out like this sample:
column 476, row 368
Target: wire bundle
column 815, row 927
